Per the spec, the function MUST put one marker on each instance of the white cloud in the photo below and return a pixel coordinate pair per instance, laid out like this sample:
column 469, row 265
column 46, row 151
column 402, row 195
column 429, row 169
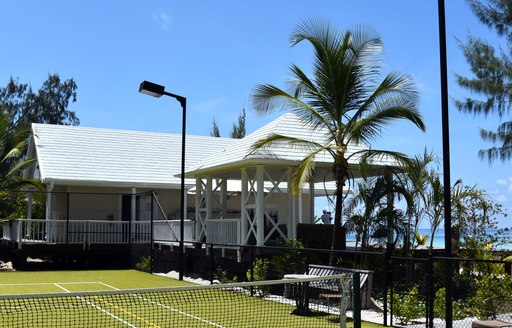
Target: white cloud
column 505, row 182
column 209, row 105
column 162, row 18
column 502, row 182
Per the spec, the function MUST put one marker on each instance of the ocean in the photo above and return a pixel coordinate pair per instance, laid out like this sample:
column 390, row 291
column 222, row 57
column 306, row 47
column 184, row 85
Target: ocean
column 439, row 238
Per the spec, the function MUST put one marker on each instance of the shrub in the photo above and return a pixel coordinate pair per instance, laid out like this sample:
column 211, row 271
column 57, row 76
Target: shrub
column 408, row 306
column 440, row 306
column 490, row 286
column 222, row 276
column 292, row 260
column 144, row 264
column 260, row 272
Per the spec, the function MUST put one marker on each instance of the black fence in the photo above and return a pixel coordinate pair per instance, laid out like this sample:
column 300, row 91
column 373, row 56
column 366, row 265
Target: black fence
column 395, row 291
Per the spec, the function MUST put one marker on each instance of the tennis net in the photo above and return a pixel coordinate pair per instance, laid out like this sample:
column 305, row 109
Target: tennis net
column 251, row 304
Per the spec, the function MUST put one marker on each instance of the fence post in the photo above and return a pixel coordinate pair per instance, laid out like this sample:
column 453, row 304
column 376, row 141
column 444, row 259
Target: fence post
column 386, row 285
column 430, row 291
column 449, row 293
column 252, row 268
column 356, row 283
column 67, row 219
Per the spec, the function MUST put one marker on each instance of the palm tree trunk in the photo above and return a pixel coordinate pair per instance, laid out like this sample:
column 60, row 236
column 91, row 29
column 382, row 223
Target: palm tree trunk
column 336, row 231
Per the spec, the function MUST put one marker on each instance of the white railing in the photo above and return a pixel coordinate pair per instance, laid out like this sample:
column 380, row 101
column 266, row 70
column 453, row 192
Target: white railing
column 223, row 231
column 169, row 230
column 89, row 232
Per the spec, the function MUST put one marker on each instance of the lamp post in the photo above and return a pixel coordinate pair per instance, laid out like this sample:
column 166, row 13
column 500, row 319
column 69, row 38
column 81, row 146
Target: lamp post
column 446, row 163
column 157, row 91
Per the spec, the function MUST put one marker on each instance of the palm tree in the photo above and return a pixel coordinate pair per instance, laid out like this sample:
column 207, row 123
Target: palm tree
column 13, row 142
column 345, row 98
column 372, row 208
column 417, row 177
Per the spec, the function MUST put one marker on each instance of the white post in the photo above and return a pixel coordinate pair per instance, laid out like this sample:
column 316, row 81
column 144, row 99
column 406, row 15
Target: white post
column 133, row 210
column 133, row 213
column 199, row 197
column 29, row 206
column 49, row 208
column 312, row 199
column 49, row 203
column 290, row 225
column 224, row 198
column 260, row 206
column 209, row 203
column 244, row 227
column 299, row 206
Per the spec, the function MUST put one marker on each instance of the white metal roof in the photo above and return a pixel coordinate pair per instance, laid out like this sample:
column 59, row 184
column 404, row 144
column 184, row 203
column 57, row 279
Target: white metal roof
column 74, row 155
column 239, row 153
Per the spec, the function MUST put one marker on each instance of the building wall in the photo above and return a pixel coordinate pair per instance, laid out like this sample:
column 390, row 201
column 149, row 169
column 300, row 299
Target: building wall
column 102, row 203
column 98, row 203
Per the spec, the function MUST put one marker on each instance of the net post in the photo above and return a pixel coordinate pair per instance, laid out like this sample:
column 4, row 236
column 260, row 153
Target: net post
column 212, row 263
column 343, row 302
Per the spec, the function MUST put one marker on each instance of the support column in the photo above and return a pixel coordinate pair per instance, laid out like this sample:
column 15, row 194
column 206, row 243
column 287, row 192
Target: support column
column 244, row 227
column 133, row 216
column 291, row 225
column 224, row 198
column 299, row 206
column 198, row 220
column 29, row 206
column 260, row 206
column 312, row 199
column 209, row 204
column 133, row 209
column 49, row 201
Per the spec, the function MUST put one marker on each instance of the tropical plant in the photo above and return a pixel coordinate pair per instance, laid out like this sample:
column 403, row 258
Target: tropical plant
column 144, row 264
column 345, row 99
column 408, row 306
column 371, row 213
column 292, row 259
column 416, row 178
column 12, row 146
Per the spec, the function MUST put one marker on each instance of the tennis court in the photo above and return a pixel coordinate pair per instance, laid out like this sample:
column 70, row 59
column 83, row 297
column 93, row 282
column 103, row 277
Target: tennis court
column 130, row 298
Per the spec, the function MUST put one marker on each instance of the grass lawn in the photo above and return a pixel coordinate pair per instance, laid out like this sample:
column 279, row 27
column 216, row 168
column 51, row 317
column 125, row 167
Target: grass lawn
column 139, row 309
column 23, row 282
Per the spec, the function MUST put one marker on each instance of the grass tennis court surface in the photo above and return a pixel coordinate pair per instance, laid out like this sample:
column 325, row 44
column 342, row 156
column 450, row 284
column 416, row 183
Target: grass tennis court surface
column 80, row 305
column 80, row 281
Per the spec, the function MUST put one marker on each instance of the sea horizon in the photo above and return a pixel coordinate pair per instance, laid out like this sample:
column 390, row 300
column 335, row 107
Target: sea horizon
column 439, row 238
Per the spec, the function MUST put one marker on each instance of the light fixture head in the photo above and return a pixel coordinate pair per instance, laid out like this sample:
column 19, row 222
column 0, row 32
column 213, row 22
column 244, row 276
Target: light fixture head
column 152, row 89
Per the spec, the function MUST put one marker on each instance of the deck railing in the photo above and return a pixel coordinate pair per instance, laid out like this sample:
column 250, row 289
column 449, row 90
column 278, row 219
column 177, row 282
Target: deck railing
column 169, row 230
column 87, row 232
column 223, row 231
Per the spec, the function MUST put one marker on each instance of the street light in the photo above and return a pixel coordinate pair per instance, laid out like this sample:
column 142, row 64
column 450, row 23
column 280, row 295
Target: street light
column 156, row 90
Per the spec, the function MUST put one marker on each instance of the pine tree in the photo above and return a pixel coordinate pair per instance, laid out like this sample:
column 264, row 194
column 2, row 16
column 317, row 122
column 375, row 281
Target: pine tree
column 491, row 83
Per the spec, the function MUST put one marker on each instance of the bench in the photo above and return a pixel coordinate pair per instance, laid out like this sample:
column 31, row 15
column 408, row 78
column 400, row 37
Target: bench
column 366, row 279
column 500, row 313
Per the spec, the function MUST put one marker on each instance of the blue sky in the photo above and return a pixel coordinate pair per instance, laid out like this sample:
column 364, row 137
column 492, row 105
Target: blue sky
column 216, row 52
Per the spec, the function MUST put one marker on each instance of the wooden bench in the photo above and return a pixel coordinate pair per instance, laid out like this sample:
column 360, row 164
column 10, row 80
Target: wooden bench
column 366, row 279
